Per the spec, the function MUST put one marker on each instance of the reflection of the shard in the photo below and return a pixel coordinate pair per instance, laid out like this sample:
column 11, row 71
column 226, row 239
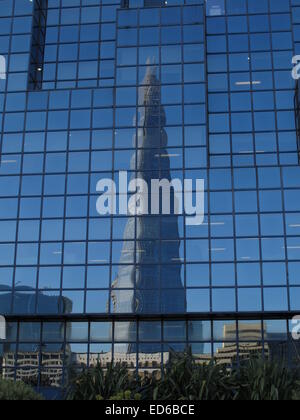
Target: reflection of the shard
column 150, row 331
column 175, row 331
column 174, row 348
column 121, row 332
column 151, row 160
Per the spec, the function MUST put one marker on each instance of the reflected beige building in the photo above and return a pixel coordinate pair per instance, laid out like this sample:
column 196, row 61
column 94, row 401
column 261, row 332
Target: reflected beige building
column 28, row 367
column 250, row 343
column 149, row 360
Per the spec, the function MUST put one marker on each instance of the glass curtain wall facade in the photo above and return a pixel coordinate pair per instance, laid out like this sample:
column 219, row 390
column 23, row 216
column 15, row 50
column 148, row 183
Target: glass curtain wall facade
column 184, row 89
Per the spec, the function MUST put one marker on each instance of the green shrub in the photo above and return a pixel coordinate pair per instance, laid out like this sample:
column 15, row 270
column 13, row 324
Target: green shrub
column 17, row 391
column 126, row 396
column 262, row 380
column 101, row 384
column 185, row 379
column 256, row 379
column 296, row 394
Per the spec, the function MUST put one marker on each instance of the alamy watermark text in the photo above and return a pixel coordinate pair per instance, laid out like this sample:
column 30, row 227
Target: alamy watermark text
column 159, row 196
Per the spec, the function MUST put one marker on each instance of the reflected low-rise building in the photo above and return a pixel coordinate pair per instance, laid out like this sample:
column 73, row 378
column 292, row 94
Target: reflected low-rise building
column 146, row 362
column 250, row 344
column 29, row 366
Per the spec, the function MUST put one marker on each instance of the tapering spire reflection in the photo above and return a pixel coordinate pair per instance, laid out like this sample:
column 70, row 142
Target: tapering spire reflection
column 158, row 288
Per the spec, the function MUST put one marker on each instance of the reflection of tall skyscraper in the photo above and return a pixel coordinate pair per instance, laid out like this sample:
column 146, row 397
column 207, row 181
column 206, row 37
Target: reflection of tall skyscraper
column 157, row 290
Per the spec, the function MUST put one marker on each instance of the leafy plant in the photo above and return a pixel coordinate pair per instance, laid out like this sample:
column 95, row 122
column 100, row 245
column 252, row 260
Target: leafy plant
column 185, row 379
column 98, row 383
column 262, row 380
column 126, row 396
column 17, row 391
